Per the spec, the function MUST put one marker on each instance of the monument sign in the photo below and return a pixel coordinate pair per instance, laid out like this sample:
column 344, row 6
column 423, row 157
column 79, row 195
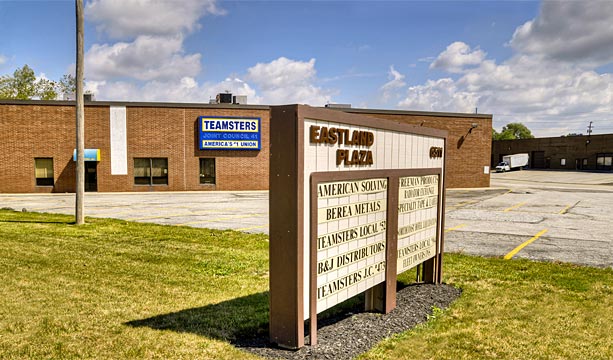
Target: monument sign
column 354, row 201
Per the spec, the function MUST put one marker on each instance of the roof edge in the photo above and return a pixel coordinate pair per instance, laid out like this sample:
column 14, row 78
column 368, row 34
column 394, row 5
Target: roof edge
column 135, row 104
column 413, row 112
column 233, row 106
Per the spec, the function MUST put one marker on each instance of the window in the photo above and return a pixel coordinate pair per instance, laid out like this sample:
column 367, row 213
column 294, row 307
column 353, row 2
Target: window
column 584, row 162
column 207, row 171
column 604, row 161
column 563, row 162
column 150, row 171
column 43, row 171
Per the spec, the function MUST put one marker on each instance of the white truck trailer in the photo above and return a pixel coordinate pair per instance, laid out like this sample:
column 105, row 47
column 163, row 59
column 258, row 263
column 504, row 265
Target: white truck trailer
column 515, row 161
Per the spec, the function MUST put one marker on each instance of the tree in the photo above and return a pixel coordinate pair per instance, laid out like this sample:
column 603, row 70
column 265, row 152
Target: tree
column 5, row 88
column 67, row 84
column 23, row 85
column 512, row 131
column 47, row 89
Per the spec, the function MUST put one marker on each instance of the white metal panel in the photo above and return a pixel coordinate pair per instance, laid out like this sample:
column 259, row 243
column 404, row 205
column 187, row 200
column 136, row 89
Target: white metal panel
column 119, row 140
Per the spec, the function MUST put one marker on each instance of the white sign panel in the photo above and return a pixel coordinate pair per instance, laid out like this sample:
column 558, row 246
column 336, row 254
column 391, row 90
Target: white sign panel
column 418, row 199
column 351, row 220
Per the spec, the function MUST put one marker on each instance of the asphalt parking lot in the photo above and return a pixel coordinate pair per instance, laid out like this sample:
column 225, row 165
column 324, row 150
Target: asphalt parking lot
column 243, row 211
column 540, row 215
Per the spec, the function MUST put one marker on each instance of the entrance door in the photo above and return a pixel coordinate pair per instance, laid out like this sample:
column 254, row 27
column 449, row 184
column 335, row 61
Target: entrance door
column 91, row 176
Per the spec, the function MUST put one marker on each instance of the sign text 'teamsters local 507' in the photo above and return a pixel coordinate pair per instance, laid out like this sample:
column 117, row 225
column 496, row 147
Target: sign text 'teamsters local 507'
column 229, row 133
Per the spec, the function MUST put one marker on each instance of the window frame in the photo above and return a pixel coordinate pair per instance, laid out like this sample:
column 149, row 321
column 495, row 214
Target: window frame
column 153, row 180
column 48, row 181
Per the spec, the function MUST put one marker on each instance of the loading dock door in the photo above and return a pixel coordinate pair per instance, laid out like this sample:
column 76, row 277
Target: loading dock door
column 538, row 160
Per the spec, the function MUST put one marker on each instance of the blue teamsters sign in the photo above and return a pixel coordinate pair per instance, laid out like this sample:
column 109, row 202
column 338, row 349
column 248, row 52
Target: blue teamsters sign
column 229, row 133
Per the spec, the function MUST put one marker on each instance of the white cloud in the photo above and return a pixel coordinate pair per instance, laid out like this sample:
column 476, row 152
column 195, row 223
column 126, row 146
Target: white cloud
column 147, row 58
column 396, row 81
column 3, row 59
column 151, row 64
column 286, row 81
column 573, row 31
column 439, row 95
column 125, row 19
column 282, row 81
column 185, row 89
column 550, row 83
column 550, row 98
column 456, row 57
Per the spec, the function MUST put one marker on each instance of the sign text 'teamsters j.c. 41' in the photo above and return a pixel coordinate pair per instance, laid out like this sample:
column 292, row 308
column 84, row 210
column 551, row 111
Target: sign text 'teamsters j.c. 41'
column 229, row 133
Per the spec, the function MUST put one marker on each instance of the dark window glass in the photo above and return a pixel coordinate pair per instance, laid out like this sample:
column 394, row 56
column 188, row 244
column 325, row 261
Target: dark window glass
column 43, row 171
column 150, row 171
column 207, row 171
column 604, row 161
column 159, row 171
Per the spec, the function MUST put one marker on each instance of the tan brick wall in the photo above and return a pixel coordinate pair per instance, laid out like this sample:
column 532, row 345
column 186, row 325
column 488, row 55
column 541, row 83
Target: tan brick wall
column 467, row 154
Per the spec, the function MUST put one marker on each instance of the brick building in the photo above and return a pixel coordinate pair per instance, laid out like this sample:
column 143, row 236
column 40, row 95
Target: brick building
column 155, row 147
column 593, row 152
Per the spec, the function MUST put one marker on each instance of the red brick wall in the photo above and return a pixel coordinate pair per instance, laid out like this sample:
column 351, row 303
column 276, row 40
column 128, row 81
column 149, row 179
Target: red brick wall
column 37, row 129
column 33, row 131
column 467, row 154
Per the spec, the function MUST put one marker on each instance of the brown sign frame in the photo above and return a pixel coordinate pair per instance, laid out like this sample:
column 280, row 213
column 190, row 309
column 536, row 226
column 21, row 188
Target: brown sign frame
column 287, row 206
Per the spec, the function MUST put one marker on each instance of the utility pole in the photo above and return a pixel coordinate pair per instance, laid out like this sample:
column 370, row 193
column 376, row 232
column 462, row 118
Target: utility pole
column 589, row 129
column 80, row 181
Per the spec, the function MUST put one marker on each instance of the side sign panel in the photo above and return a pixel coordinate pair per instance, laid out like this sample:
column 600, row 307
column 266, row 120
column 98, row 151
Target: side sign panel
column 418, row 201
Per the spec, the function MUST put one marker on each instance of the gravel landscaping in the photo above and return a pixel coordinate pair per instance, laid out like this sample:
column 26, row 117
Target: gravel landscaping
column 352, row 332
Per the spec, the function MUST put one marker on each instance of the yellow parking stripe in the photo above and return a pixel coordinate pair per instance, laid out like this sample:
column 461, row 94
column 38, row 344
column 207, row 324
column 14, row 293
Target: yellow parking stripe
column 462, row 204
column 203, row 212
column 220, row 219
column 514, row 207
column 518, row 249
column 565, row 210
column 253, row 227
column 455, row 227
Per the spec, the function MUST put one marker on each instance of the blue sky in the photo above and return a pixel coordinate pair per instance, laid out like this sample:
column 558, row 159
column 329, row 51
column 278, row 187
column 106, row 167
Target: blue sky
column 547, row 65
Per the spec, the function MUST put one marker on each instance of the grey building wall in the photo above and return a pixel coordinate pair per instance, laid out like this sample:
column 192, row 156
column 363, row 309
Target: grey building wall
column 565, row 153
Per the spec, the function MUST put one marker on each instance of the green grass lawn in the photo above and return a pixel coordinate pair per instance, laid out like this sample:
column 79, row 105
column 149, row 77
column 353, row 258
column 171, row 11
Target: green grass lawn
column 116, row 289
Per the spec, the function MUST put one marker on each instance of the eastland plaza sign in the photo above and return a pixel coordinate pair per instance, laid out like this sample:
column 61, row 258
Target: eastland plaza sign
column 354, row 201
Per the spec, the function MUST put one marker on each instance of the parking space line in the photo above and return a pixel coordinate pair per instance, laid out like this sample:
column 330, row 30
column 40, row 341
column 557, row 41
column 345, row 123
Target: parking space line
column 462, row 204
column 514, row 207
column 198, row 213
column 46, row 208
column 455, row 227
column 565, row 210
column 219, row 219
column 523, row 245
column 253, row 227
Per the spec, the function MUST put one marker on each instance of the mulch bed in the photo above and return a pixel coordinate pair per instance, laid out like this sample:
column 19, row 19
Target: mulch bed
column 351, row 332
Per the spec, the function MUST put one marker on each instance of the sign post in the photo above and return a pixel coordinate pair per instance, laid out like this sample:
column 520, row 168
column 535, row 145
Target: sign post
column 354, row 201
